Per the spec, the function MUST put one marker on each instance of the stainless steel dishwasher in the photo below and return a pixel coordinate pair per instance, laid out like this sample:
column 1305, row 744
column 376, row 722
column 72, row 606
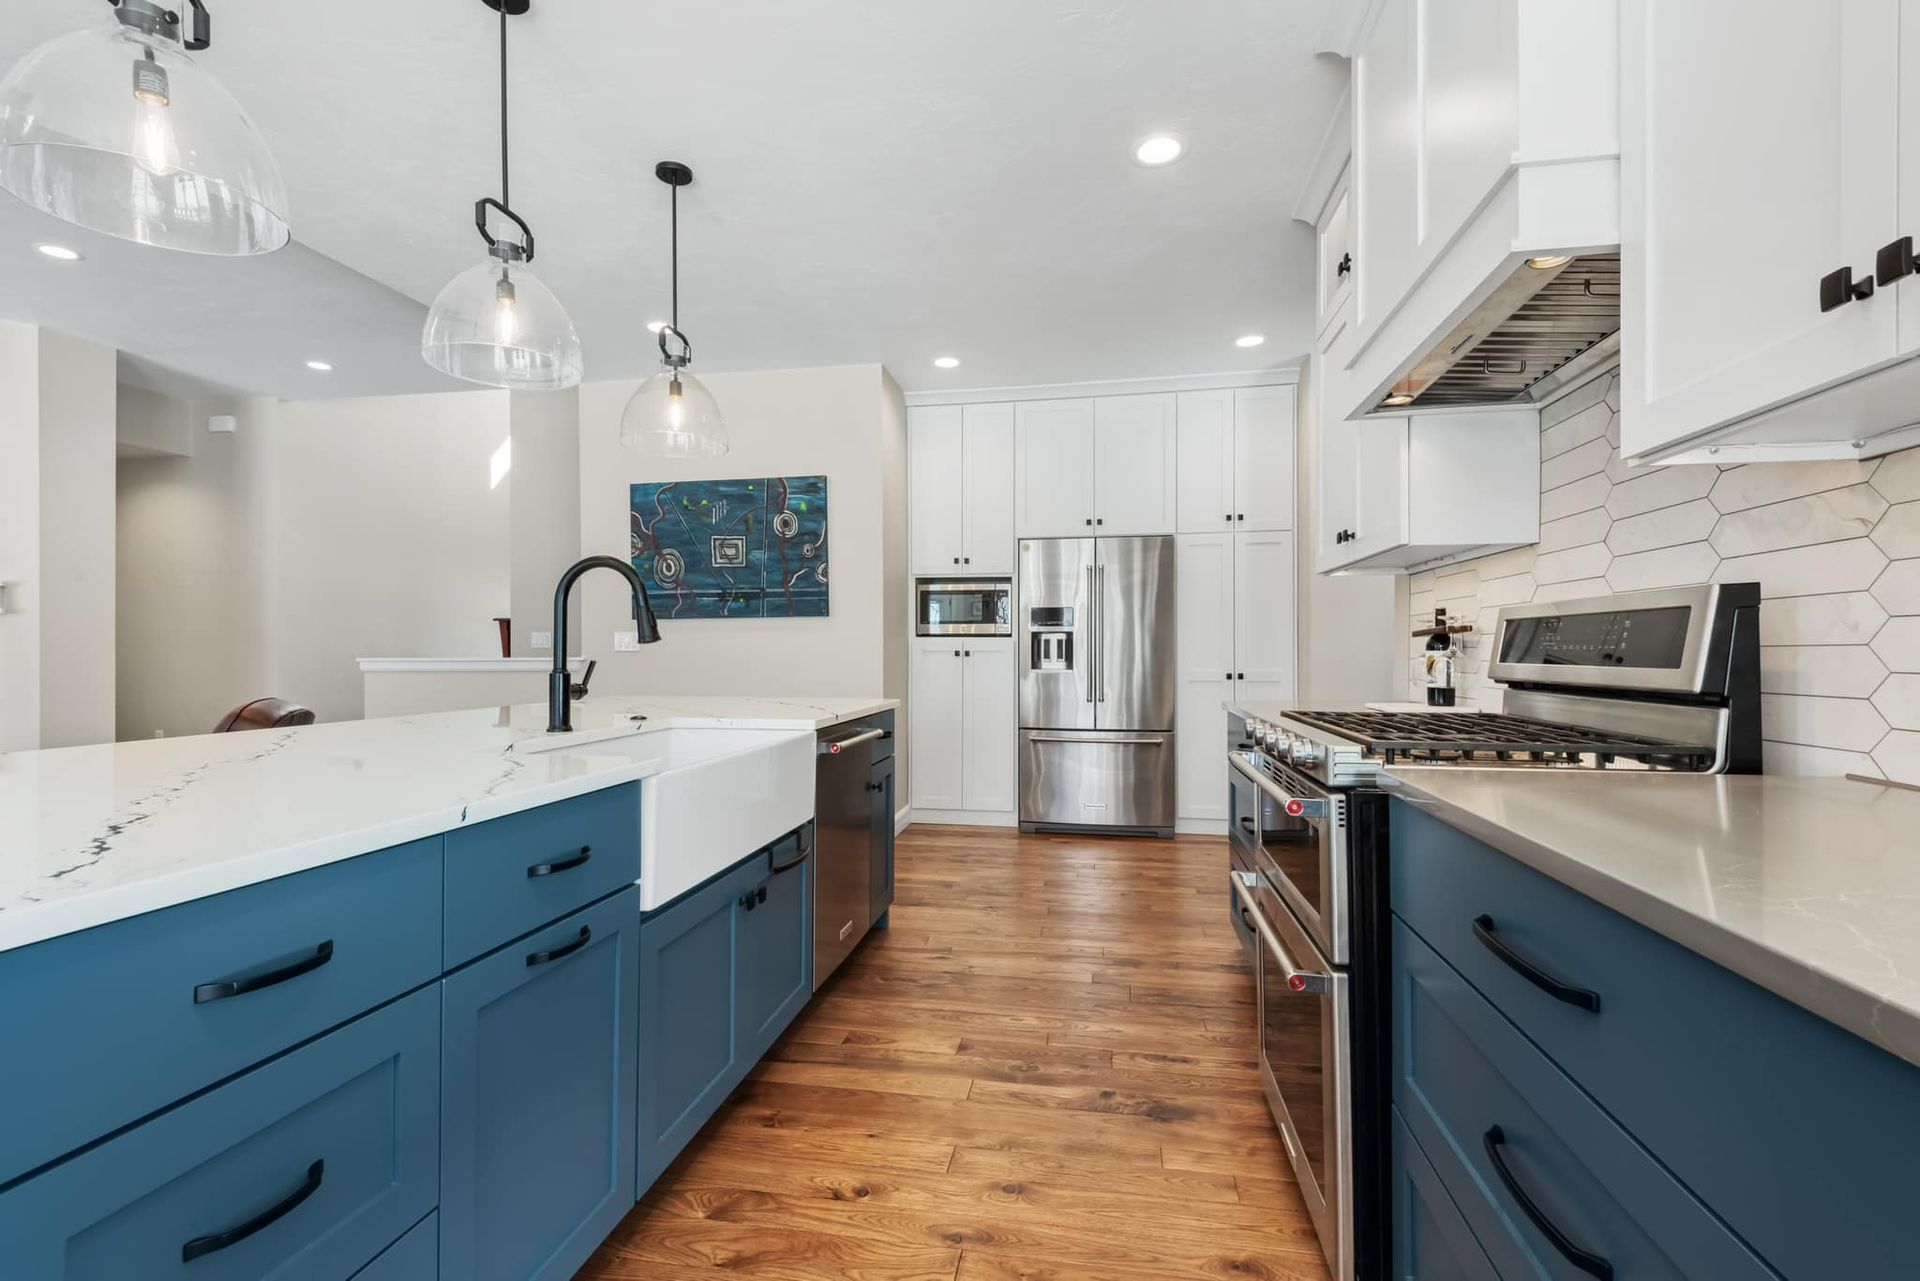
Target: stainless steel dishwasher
column 853, row 828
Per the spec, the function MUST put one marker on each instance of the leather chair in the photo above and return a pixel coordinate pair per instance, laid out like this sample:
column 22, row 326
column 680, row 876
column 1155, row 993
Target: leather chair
column 264, row 713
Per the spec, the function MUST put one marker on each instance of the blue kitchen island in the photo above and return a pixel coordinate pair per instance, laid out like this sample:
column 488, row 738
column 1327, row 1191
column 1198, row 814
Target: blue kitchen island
column 387, row 999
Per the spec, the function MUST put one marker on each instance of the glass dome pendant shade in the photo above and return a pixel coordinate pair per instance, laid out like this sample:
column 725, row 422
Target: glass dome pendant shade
column 672, row 414
column 117, row 129
column 496, row 323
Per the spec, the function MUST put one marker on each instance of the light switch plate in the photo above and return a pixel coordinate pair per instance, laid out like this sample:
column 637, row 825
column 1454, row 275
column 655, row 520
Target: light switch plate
column 543, row 640
column 626, row 642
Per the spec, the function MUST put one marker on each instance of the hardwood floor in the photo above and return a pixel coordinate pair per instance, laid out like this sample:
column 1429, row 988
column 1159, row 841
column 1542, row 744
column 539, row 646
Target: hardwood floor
column 1044, row 1070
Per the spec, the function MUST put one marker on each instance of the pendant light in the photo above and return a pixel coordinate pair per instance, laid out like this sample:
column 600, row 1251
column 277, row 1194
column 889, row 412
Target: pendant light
column 496, row 323
column 118, row 129
column 672, row 414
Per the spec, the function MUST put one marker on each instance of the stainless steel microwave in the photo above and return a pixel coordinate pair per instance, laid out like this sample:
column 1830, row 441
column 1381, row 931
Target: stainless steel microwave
column 974, row 607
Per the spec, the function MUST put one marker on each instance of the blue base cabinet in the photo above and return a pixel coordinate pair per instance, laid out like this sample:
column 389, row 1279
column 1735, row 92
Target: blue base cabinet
column 723, row 971
column 537, row 1098
column 414, row 1257
column 301, row 1170
column 1431, row 1242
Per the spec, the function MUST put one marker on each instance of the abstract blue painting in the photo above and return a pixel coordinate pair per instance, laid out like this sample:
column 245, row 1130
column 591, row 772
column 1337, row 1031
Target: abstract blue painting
column 733, row 548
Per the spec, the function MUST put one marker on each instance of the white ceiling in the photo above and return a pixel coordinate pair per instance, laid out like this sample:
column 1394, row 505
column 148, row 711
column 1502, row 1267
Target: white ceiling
column 876, row 180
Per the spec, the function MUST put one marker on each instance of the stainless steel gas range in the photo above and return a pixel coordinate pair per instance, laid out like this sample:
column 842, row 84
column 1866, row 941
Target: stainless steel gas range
column 1661, row 680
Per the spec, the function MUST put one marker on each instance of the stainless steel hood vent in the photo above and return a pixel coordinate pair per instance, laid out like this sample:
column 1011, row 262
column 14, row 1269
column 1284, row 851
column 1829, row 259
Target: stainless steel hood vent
column 1540, row 322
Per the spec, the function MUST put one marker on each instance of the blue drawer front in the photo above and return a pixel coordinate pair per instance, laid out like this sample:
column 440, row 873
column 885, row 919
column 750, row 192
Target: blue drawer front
column 1697, row 1062
column 538, row 1099
column 518, row 873
column 118, row 1033
column 1460, row 1070
column 414, row 1257
column 690, row 1048
column 1431, row 1242
column 353, row 1113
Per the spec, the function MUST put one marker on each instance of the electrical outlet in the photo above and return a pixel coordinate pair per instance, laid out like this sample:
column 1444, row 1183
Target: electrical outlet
column 543, row 640
column 626, row 642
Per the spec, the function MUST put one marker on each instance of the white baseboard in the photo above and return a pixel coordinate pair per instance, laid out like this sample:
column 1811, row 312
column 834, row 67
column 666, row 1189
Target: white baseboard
column 1200, row 826
column 970, row 818
column 902, row 819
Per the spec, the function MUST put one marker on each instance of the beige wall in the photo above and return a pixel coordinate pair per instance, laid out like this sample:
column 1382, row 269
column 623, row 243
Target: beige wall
column 544, row 493
column 57, row 545
column 897, row 603
column 1835, row 547
column 783, row 423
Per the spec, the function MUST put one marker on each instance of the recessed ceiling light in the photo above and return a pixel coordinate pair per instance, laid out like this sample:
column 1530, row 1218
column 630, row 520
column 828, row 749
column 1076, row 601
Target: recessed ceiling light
column 60, row 253
column 1158, row 149
column 320, row 366
column 1249, row 340
column 1398, row 398
column 655, row 326
column 1549, row 262
column 946, row 362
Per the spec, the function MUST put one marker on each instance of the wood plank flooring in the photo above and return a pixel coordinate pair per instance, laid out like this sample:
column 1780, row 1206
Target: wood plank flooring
column 1044, row 1070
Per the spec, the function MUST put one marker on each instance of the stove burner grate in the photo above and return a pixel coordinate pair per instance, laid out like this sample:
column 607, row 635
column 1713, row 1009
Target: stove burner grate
column 1466, row 737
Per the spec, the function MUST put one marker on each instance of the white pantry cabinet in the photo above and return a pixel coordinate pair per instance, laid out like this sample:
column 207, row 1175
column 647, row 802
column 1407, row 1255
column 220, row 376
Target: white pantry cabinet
column 960, row 489
column 1236, row 637
column 1236, row 459
column 1401, row 492
column 963, row 722
column 1053, row 469
column 1752, row 169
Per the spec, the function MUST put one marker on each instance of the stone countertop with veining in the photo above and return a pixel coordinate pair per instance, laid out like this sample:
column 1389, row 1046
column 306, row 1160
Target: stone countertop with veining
column 1809, row 887
column 90, row 835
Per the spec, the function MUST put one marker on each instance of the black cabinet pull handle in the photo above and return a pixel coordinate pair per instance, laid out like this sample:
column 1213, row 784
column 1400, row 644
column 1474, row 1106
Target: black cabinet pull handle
column 216, row 1241
column 793, row 862
column 760, row 895
column 225, row 988
column 1591, row 1264
column 1838, row 288
column 1894, row 261
column 1346, row 265
column 562, row 864
column 1246, row 824
column 1585, row 998
column 565, row 949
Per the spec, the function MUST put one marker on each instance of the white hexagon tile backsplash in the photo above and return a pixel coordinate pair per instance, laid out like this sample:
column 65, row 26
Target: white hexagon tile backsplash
column 1835, row 547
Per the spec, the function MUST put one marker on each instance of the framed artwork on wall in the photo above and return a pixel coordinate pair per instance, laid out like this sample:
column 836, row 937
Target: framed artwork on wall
column 752, row 548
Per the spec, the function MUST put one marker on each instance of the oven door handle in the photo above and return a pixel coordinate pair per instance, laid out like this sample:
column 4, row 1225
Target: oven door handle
column 1298, row 980
column 1313, row 809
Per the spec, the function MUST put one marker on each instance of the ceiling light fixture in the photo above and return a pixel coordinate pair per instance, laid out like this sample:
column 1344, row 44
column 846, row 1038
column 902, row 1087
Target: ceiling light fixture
column 118, row 129
column 946, row 362
column 1159, row 149
column 320, row 366
column 496, row 323
column 655, row 326
column 672, row 414
column 1549, row 261
column 1398, row 399
column 1249, row 340
column 60, row 253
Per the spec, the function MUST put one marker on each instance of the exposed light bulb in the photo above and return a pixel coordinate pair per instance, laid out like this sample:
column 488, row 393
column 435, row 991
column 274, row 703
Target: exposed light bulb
column 1398, row 398
column 155, row 149
column 676, row 405
column 504, row 301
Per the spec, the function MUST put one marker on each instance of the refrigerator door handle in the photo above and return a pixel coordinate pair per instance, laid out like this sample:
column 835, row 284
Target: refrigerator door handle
column 1092, row 649
column 1093, row 738
column 1100, row 578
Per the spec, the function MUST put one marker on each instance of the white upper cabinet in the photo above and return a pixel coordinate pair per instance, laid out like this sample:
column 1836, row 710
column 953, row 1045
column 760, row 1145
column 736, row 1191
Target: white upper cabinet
column 1203, row 592
column 986, row 472
column 1403, row 492
column 1205, row 461
column 1133, row 464
column 960, row 489
column 1752, row 169
column 1236, row 459
column 934, row 451
column 1264, row 639
column 1263, row 452
column 1053, row 469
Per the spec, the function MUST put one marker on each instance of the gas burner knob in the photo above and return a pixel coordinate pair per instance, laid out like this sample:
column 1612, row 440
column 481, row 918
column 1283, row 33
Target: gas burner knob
column 1304, row 751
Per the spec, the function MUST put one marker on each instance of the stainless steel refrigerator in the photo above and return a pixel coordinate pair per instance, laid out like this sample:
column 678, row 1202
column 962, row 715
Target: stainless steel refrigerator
column 1097, row 689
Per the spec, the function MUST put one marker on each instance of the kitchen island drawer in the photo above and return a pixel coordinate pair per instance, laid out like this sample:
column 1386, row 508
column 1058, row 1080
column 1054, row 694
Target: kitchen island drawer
column 510, row 875
column 132, row 1016
column 1550, row 1185
column 301, row 1170
column 1431, row 1242
column 1715, row 1075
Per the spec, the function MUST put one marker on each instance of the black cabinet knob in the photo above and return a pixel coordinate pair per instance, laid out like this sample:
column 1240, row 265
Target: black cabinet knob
column 1346, row 265
column 1101, row 521
column 1089, row 520
column 1894, row 261
column 1838, row 288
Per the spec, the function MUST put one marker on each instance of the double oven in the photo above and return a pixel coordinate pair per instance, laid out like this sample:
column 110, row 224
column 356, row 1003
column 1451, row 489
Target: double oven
column 1318, row 1023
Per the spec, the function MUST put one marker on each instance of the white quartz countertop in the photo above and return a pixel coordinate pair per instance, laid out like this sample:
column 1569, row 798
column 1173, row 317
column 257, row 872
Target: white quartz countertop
column 1809, row 887
column 90, row 835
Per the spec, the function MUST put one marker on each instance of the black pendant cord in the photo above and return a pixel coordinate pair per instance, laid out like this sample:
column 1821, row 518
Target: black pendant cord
column 674, row 223
column 506, row 197
column 507, row 252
